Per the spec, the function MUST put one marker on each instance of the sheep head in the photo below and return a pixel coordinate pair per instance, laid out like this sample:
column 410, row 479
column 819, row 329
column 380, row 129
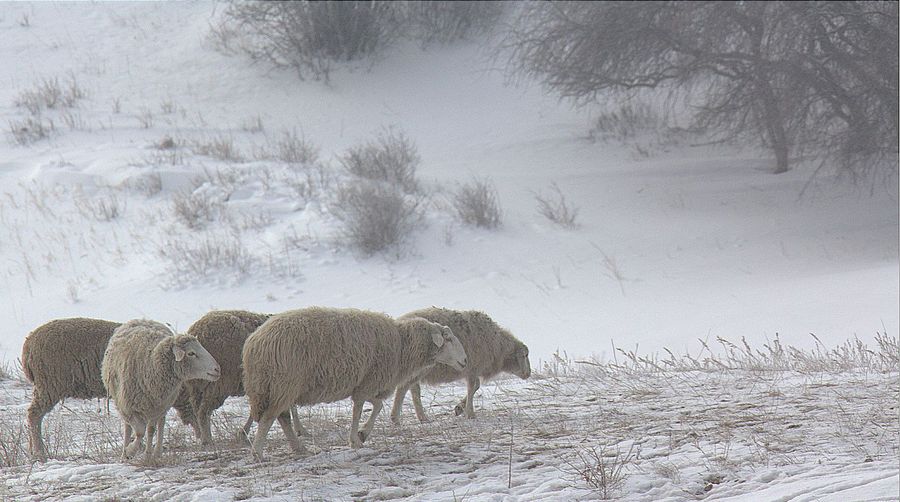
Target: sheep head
column 450, row 349
column 517, row 362
column 192, row 361
column 445, row 347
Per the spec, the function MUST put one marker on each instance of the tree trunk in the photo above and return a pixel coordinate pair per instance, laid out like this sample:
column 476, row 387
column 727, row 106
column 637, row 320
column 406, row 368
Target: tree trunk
column 780, row 146
column 774, row 126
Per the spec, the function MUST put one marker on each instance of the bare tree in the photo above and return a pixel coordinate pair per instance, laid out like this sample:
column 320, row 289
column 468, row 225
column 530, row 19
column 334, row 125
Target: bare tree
column 849, row 61
column 769, row 70
column 310, row 36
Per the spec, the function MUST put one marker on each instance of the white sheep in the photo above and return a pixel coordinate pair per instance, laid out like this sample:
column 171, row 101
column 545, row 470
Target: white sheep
column 321, row 355
column 490, row 350
column 62, row 359
column 143, row 369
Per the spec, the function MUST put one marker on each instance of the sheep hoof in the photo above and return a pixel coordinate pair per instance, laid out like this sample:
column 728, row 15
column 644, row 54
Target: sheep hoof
column 363, row 435
column 133, row 448
column 458, row 410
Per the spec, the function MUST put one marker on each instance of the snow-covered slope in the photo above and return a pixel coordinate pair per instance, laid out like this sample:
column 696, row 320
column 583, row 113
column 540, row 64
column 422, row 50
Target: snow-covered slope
column 688, row 242
column 706, row 241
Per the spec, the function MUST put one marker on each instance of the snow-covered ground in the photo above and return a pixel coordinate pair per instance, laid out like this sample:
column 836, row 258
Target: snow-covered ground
column 680, row 243
column 673, row 435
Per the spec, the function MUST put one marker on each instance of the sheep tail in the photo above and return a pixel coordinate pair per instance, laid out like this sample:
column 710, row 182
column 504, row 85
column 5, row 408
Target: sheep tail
column 26, row 368
column 259, row 403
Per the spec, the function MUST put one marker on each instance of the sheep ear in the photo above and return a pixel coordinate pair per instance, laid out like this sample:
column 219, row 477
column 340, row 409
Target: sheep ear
column 179, row 352
column 437, row 338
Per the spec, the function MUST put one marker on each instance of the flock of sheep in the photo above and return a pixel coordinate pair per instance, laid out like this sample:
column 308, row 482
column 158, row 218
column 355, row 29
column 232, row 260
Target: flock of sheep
column 299, row 357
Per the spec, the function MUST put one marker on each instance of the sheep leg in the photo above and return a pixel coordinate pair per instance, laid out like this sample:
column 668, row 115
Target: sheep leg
column 354, row 423
column 139, row 428
column 284, row 420
column 265, row 423
column 40, row 406
column 243, row 433
column 298, row 427
column 472, row 384
column 160, row 426
column 417, row 403
column 399, row 395
column 126, row 435
column 148, row 447
column 364, row 434
column 203, row 424
column 209, row 403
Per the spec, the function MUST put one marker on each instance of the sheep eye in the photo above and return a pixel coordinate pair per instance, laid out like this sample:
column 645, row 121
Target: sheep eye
column 192, row 354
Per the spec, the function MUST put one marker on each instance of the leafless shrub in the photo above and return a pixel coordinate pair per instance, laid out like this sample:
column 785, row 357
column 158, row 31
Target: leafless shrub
column 476, row 204
column 446, row 22
column 145, row 118
column 225, row 37
column 392, row 157
column 630, row 120
column 117, row 105
column 291, row 148
column 12, row 371
column 253, row 124
column 166, row 143
column 167, row 106
column 611, row 268
column 99, row 207
column 555, row 208
column 72, row 292
column 311, row 183
column 195, row 209
column 376, row 217
column 201, row 258
column 30, row 129
column 225, row 178
column 310, row 37
column 74, row 121
column 602, row 471
column 221, row 148
column 164, row 156
column 249, row 221
column 48, row 93
column 149, row 184
column 13, row 443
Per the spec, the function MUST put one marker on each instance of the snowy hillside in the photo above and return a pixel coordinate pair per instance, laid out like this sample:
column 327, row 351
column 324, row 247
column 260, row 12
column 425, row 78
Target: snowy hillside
column 159, row 191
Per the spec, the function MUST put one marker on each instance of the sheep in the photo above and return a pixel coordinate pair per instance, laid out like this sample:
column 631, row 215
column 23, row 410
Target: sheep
column 321, row 355
column 62, row 359
column 143, row 369
column 490, row 350
column 222, row 333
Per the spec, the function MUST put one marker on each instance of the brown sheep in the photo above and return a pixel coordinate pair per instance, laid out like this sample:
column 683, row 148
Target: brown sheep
column 62, row 359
